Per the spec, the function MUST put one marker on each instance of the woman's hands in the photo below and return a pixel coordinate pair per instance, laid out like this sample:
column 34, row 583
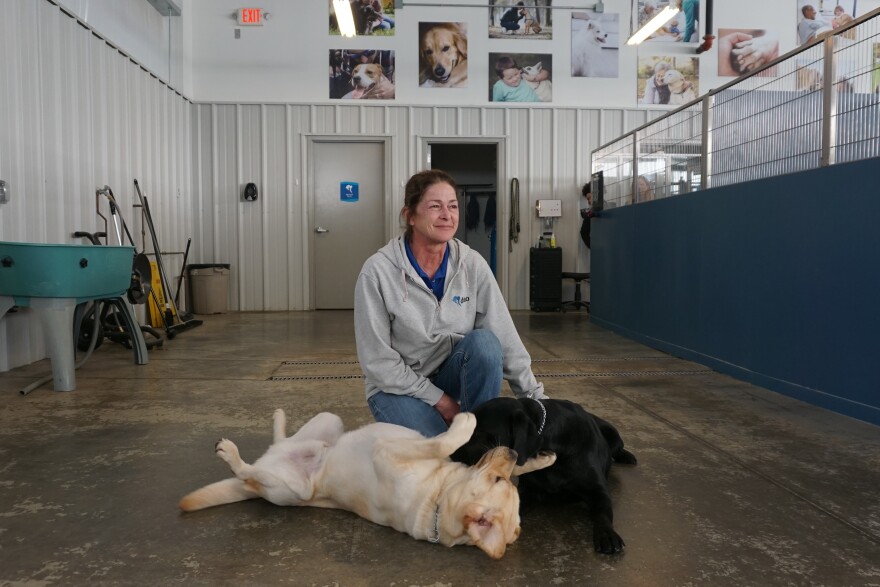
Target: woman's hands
column 447, row 407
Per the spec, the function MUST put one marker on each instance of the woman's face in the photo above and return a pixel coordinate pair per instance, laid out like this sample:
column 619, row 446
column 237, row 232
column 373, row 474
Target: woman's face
column 644, row 188
column 658, row 77
column 435, row 219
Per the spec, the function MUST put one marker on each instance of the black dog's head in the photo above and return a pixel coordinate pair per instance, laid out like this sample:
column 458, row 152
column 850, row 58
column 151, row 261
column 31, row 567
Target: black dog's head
column 502, row 421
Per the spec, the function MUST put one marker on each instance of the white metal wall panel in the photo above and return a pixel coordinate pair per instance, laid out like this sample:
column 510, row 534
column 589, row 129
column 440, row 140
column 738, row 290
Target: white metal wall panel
column 77, row 114
column 250, row 265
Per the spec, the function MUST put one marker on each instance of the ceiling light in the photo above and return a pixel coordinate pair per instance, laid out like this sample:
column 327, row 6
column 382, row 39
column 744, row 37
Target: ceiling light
column 660, row 19
column 344, row 17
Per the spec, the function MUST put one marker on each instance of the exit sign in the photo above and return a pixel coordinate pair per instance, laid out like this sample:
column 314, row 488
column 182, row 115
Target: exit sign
column 250, row 16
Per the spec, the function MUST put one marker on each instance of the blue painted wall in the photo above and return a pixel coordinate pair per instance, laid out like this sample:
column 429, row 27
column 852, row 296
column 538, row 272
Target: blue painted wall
column 775, row 281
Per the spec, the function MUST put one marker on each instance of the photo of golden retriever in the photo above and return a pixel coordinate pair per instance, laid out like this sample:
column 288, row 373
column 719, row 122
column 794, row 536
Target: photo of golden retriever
column 388, row 474
column 443, row 55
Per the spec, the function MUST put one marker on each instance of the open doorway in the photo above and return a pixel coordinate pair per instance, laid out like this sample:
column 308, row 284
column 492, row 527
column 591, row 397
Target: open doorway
column 474, row 167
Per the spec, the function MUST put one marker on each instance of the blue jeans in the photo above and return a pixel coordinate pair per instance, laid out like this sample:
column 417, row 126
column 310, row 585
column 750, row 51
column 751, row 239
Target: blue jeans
column 471, row 375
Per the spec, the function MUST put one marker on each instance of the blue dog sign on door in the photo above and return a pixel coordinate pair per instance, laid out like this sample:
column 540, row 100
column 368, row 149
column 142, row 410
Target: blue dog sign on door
column 348, row 191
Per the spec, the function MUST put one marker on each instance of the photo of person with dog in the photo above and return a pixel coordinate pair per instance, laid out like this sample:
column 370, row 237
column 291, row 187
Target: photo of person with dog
column 433, row 333
column 532, row 19
column 371, row 17
column 595, row 44
column 361, row 74
column 520, row 77
column 667, row 80
column 683, row 28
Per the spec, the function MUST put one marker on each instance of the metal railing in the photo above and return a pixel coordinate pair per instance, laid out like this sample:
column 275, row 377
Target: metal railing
column 815, row 106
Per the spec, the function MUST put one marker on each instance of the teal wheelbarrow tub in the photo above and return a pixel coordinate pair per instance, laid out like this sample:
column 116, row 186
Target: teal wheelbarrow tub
column 52, row 279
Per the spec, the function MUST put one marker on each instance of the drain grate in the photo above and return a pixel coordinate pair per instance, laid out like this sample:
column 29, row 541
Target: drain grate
column 315, row 370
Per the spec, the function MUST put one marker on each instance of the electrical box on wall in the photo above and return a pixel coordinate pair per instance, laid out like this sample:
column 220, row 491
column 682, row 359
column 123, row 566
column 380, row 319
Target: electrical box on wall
column 251, row 16
column 548, row 208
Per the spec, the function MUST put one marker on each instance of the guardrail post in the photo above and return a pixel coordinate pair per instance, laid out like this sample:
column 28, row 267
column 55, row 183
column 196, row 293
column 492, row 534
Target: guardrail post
column 706, row 143
column 635, row 168
column 829, row 102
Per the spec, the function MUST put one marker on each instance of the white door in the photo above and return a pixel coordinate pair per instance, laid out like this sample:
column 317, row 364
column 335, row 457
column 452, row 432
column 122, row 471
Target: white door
column 347, row 181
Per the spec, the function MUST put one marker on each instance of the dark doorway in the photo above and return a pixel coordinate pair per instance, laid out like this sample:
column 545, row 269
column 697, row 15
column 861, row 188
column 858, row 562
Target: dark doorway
column 474, row 167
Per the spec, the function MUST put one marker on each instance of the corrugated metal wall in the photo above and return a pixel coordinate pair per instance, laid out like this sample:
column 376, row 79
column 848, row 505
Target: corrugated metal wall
column 547, row 149
column 77, row 114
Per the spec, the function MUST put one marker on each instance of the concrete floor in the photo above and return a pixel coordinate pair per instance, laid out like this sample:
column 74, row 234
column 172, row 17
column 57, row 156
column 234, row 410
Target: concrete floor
column 735, row 485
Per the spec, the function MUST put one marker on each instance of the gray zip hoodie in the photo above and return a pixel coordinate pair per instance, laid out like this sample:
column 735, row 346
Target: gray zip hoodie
column 404, row 334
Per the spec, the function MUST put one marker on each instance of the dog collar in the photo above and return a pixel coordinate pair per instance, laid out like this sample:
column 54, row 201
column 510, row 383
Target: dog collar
column 435, row 531
column 543, row 416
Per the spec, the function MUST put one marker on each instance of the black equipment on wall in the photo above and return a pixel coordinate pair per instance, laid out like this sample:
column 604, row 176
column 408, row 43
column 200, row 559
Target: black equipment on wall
column 545, row 278
column 250, row 192
column 597, row 188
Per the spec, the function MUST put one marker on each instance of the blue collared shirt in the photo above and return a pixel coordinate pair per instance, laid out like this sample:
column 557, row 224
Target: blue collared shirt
column 437, row 284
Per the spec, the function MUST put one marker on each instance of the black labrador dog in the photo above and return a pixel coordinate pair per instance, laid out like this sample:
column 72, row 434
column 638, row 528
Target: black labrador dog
column 585, row 446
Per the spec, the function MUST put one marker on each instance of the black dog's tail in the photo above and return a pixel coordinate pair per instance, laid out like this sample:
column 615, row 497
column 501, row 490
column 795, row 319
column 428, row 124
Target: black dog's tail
column 615, row 443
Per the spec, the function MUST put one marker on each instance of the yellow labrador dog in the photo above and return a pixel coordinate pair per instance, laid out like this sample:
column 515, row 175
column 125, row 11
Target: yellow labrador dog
column 443, row 56
column 681, row 91
column 385, row 473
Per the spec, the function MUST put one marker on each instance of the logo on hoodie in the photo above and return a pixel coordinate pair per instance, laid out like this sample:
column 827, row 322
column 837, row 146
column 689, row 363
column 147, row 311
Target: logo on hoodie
column 459, row 300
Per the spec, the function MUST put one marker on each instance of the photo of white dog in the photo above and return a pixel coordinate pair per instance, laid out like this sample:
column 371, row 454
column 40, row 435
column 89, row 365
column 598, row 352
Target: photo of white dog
column 594, row 44
column 539, row 78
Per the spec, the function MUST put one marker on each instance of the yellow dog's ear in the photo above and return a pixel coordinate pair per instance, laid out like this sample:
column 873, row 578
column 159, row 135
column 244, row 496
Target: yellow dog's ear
column 485, row 531
column 461, row 44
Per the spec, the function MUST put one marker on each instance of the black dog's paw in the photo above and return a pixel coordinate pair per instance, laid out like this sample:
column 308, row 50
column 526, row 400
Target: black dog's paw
column 624, row 456
column 607, row 541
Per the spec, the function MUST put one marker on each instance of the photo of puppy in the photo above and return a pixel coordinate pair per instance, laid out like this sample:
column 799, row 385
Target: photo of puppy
column 370, row 83
column 443, row 51
column 595, row 39
column 539, row 78
column 361, row 74
column 681, row 91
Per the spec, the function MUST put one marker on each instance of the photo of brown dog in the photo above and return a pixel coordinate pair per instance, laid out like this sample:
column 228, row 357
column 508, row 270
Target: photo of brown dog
column 443, row 51
column 361, row 74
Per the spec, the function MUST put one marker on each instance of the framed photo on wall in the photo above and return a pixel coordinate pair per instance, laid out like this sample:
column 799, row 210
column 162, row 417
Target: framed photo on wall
column 443, row 49
column 520, row 77
column 816, row 17
column 741, row 51
column 667, row 80
column 595, row 44
column 683, row 28
column 371, row 18
column 520, row 19
column 361, row 74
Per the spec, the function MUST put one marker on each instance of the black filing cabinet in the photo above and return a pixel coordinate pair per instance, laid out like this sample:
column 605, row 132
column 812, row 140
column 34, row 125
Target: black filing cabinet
column 545, row 279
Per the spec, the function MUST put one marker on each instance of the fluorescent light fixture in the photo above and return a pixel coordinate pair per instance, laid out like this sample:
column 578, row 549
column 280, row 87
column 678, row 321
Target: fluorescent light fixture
column 344, row 17
column 660, row 19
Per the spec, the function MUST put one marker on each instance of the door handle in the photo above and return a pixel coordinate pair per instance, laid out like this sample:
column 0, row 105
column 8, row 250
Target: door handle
column 321, row 230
